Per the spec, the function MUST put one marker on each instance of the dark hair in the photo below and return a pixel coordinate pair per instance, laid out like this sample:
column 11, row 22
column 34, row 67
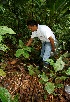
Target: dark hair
column 32, row 23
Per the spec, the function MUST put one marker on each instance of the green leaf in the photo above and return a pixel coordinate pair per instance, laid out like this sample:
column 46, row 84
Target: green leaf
column 50, row 61
column 59, row 65
column 52, row 74
column 5, row 30
column 37, row 71
column 20, row 44
column 1, row 8
column 2, row 73
column 61, row 78
column 27, row 48
column 5, row 95
column 31, row 70
column 19, row 52
column 68, row 71
column 25, row 54
column 59, row 85
column 3, row 47
column 0, row 38
column 43, row 77
column 49, row 87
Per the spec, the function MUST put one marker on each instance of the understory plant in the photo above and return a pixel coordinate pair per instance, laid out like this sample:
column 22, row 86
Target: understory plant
column 57, row 73
column 4, row 30
column 5, row 96
column 22, row 50
column 33, row 70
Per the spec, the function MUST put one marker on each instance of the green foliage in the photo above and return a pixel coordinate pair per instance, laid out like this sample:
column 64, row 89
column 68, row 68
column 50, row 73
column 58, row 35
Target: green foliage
column 2, row 68
column 33, row 70
column 1, row 8
column 2, row 73
column 56, row 16
column 52, row 79
column 22, row 50
column 43, row 77
column 61, row 78
column 58, row 65
column 59, row 85
column 3, row 47
column 68, row 71
column 5, row 96
column 49, row 87
column 0, row 38
column 4, row 30
column 20, row 44
column 50, row 61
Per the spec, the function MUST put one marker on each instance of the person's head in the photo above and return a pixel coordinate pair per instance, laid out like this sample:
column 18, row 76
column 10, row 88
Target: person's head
column 32, row 25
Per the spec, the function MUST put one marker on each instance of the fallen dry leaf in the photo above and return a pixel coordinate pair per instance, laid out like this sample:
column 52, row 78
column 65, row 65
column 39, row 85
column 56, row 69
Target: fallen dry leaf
column 13, row 62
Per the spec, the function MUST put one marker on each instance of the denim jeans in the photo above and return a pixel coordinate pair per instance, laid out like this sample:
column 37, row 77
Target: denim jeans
column 46, row 51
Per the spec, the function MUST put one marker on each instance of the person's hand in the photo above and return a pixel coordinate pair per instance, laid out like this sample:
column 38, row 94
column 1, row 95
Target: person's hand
column 29, row 42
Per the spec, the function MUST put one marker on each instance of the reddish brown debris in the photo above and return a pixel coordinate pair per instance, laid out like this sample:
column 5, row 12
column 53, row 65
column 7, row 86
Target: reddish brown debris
column 29, row 88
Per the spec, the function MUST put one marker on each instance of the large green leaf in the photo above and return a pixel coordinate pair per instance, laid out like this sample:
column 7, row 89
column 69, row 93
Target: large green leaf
column 19, row 52
column 59, row 65
column 49, row 87
column 5, row 30
column 5, row 95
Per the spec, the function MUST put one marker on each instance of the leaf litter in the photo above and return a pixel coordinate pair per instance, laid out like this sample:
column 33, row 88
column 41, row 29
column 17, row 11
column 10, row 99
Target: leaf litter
column 28, row 87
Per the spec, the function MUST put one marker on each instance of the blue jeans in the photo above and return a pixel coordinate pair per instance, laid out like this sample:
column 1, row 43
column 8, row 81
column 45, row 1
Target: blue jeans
column 46, row 51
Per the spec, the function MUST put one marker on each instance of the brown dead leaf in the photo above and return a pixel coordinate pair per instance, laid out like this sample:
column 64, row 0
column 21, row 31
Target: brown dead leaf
column 13, row 62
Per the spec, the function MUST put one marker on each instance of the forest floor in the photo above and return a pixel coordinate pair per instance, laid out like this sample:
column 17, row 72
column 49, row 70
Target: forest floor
column 18, row 80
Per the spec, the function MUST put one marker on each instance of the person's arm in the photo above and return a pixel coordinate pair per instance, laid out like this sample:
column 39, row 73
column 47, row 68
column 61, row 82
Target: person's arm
column 29, row 42
column 52, row 43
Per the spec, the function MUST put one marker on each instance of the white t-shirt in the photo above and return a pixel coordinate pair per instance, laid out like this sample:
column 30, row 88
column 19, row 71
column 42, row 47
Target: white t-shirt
column 43, row 33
